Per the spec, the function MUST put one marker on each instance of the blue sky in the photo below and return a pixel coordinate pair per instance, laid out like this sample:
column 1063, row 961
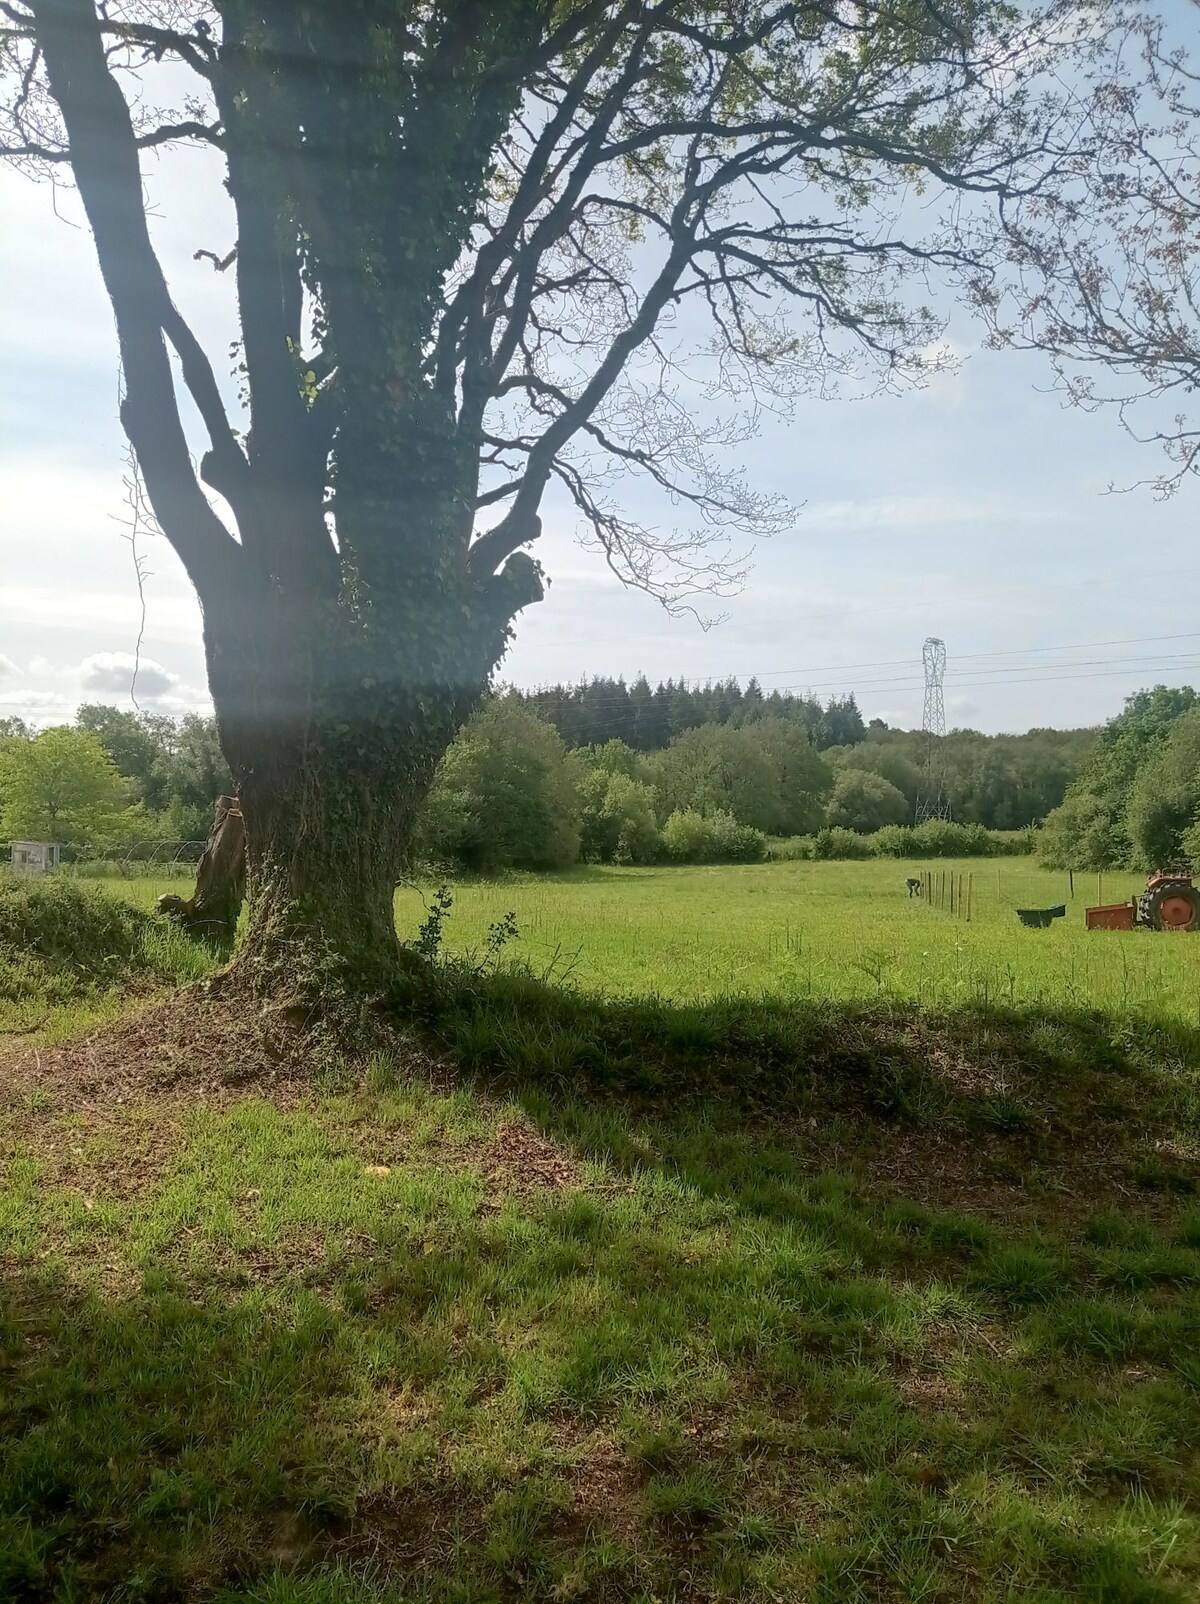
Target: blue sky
column 976, row 510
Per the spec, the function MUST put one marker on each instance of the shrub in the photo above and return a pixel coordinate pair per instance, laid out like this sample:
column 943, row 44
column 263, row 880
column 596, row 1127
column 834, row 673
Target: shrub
column 791, row 849
column 689, row 837
column 940, row 838
column 66, row 922
column 1015, row 843
column 937, row 838
column 834, row 842
column 685, row 836
column 60, row 941
column 731, row 842
column 894, row 841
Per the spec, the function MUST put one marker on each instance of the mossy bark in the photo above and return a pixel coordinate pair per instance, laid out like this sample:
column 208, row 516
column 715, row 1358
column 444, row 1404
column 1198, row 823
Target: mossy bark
column 333, row 732
column 326, row 844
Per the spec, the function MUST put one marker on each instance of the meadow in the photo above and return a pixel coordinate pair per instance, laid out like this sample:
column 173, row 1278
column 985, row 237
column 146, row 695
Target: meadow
column 796, row 931
column 740, row 1292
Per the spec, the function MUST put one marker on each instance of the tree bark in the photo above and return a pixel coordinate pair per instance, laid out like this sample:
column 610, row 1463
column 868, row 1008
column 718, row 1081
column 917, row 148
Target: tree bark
column 333, row 729
column 213, row 909
column 326, row 839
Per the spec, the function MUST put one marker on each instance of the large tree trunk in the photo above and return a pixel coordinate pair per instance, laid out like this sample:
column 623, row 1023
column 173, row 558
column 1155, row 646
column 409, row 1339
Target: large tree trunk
column 327, row 837
column 332, row 732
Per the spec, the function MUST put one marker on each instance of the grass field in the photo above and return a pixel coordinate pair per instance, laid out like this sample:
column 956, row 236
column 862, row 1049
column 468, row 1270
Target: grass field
column 803, row 930
column 611, row 1301
column 846, row 930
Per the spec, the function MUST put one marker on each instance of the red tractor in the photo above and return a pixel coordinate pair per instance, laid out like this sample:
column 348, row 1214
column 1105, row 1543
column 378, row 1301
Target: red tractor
column 1169, row 902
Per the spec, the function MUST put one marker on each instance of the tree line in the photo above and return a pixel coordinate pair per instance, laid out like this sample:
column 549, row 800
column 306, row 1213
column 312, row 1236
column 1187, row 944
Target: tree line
column 648, row 718
column 1003, row 782
column 513, row 790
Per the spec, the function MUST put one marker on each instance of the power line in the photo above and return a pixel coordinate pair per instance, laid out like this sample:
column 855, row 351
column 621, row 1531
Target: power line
column 1008, row 676
column 905, row 662
column 981, row 677
column 971, row 657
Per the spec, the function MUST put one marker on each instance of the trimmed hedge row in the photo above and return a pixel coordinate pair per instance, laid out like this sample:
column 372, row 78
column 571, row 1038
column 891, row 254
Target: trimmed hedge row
column 937, row 838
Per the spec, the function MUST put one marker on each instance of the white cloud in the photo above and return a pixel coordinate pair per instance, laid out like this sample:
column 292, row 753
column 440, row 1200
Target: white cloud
column 36, row 701
column 112, row 673
column 8, row 669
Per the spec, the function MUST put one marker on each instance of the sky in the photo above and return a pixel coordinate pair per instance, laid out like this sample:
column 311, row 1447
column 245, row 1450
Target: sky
column 981, row 510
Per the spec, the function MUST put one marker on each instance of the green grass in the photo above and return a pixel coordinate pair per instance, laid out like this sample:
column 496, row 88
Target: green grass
column 828, row 930
column 816, row 930
column 736, row 1292
column 345, row 1350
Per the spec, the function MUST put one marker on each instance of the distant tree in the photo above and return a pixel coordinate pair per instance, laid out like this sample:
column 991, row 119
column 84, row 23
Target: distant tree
column 137, row 744
column 890, row 761
column 865, row 802
column 617, row 822
column 753, row 702
column 63, row 786
column 14, row 728
column 505, row 794
column 1164, row 801
column 190, row 777
column 649, row 728
column 802, row 779
column 717, row 767
column 1091, row 828
column 842, row 724
column 614, row 757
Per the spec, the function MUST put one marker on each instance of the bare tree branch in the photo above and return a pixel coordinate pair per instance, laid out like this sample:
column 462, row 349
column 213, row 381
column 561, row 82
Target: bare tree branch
column 105, row 164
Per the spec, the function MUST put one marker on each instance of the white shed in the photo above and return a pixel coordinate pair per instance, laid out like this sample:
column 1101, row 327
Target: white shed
column 34, row 857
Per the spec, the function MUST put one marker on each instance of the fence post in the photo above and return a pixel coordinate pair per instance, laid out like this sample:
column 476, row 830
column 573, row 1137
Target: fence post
column 970, row 893
column 1100, row 888
column 1071, row 883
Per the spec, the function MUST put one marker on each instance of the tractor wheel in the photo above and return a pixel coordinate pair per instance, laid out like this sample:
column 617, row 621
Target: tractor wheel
column 1171, row 907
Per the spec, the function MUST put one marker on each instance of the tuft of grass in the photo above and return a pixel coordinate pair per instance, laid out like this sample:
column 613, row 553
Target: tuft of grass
column 71, row 953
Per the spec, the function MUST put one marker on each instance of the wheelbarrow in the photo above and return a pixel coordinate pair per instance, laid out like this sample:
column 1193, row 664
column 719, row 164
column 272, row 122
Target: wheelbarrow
column 1041, row 918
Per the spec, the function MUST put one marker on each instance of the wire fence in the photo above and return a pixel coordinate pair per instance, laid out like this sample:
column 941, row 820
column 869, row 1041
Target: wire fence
column 159, row 860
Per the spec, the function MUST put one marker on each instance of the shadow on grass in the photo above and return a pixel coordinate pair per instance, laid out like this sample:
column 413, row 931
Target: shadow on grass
column 711, row 1365
column 599, row 1396
column 1117, row 1091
